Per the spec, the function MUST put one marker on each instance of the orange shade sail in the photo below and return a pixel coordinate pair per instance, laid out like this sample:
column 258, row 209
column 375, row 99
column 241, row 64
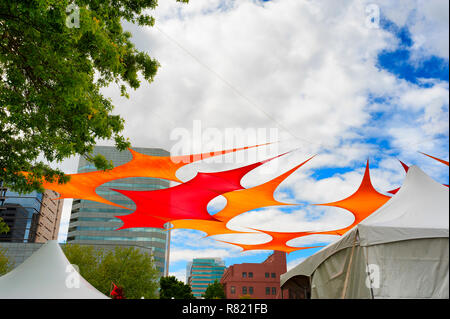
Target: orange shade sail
column 361, row 204
column 185, row 201
column 260, row 196
column 83, row 185
column 185, row 205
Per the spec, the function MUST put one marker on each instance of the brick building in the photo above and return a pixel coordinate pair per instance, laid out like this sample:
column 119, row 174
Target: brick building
column 258, row 281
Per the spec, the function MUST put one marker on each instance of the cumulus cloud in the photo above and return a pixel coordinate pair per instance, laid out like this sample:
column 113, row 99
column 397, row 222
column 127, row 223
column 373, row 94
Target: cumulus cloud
column 427, row 22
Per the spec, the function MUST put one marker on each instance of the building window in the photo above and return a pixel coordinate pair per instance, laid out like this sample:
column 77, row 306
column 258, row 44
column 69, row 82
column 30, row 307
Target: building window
column 250, row 290
column 267, row 275
column 250, row 275
column 244, row 275
column 274, row 291
column 273, row 275
column 267, row 290
column 233, row 289
column 244, row 290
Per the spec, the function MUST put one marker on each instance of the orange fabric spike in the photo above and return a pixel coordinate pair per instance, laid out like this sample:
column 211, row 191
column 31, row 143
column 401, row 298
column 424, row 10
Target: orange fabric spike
column 210, row 227
column 437, row 159
column 83, row 185
column 244, row 200
column 362, row 203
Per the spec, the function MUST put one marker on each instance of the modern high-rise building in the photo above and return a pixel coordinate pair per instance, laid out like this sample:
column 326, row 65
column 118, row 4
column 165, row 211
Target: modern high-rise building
column 201, row 272
column 32, row 218
column 93, row 223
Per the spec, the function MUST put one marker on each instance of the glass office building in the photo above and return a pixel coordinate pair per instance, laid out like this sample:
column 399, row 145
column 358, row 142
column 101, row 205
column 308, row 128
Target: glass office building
column 94, row 223
column 202, row 272
column 32, row 217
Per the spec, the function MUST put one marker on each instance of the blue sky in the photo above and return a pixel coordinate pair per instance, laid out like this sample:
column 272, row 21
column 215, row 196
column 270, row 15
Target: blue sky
column 315, row 72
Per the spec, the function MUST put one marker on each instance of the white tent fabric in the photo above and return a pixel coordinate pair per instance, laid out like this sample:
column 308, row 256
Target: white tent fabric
column 405, row 242
column 47, row 274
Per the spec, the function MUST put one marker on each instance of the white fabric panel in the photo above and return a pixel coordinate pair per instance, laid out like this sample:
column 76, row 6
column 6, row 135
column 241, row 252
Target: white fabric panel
column 411, row 269
column 47, row 274
column 329, row 279
column 307, row 268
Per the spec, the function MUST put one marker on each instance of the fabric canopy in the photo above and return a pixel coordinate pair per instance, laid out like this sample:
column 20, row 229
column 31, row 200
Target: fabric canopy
column 406, row 239
column 47, row 274
column 83, row 185
column 419, row 210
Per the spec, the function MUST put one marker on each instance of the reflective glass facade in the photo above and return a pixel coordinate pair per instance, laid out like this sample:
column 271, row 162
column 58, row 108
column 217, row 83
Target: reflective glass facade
column 202, row 272
column 32, row 217
column 94, row 223
column 21, row 213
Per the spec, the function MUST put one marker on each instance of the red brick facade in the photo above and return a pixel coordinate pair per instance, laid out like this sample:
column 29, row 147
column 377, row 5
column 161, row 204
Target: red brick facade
column 257, row 281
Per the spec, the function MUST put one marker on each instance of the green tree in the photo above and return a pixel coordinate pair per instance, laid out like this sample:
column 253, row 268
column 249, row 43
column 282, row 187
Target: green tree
column 87, row 259
column 4, row 228
column 171, row 287
column 131, row 269
column 126, row 267
column 214, row 291
column 55, row 58
column 5, row 264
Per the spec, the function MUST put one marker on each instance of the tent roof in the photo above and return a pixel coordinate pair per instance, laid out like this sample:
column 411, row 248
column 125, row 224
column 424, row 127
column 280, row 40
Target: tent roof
column 420, row 209
column 46, row 274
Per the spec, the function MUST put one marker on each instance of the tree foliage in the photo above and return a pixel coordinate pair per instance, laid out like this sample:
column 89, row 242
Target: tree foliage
column 171, row 287
column 125, row 267
column 4, row 228
column 214, row 291
column 5, row 264
column 55, row 57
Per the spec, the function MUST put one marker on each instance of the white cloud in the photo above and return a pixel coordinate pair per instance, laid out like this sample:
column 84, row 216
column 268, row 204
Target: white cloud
column 180, row 275
column 316, row 93
column 295, row 262
column 307, row 218
column 65, row 217
column 426, row 20
column 183, row 254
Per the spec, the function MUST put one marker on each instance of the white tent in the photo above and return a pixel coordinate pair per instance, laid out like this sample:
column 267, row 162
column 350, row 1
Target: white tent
column 400, row 251
column 46, row 274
